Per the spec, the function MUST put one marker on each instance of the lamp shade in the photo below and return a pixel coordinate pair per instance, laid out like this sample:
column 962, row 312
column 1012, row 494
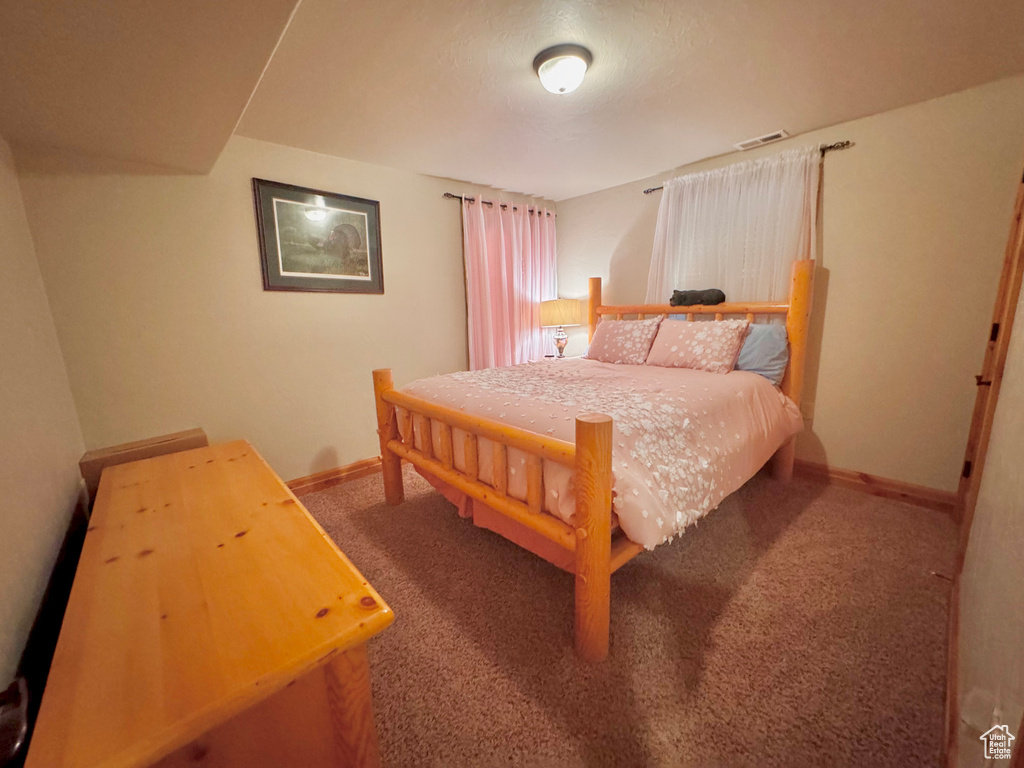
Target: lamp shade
column 561, row 312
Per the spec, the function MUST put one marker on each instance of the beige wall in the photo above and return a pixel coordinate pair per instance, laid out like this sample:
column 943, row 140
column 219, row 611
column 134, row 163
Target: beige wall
column 991, row 669
column 40, row 441
column 915, row 219
column 159, row 304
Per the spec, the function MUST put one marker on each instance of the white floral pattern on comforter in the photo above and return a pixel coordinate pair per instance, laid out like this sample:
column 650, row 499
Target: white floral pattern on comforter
column 683, row 439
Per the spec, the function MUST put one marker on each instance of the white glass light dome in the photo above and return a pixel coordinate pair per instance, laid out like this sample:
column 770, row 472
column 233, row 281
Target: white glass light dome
column 561, row 69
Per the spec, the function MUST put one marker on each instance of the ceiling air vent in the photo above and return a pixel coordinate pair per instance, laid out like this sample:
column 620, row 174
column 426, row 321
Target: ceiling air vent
column 768, row 138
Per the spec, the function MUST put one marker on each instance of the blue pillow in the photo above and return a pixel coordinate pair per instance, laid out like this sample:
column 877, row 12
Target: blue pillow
column 765, row 351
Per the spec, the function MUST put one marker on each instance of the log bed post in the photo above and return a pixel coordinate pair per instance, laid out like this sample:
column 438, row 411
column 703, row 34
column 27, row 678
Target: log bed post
column 798, row 321
column 593, row 534
column 593, row 302
column 387, row 429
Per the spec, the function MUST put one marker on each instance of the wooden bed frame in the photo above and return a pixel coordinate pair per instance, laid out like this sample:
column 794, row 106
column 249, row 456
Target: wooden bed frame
column 591, row 550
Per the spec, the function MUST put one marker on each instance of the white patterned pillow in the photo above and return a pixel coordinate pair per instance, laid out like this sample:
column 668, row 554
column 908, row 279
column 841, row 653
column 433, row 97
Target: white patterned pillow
column 623, row 341
column 701, row 345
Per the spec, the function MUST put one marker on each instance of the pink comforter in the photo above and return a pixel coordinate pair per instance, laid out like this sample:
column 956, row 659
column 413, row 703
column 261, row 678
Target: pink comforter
column 683, row 439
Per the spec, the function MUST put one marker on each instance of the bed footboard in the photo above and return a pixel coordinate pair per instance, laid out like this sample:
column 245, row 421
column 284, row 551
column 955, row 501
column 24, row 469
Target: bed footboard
column 589, row 543
column 387, row 430
column 593, row 534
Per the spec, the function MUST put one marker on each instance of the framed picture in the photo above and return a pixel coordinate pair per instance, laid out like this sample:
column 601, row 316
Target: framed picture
column 317, row 241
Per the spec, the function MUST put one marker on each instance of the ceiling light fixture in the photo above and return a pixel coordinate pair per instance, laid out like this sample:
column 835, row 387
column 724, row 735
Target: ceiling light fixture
column 561, row 68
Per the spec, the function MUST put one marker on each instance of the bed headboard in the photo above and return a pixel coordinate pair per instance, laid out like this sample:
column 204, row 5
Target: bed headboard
column 797, row 311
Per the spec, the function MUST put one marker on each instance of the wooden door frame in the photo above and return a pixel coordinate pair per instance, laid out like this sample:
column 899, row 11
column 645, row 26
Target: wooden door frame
column 989, row 382
column 991, row 377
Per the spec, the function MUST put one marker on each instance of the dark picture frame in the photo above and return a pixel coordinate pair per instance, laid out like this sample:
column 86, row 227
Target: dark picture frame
column 311, row 240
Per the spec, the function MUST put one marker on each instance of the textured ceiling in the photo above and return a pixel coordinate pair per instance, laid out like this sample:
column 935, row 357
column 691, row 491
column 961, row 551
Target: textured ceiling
column 159, row 83
column 446, row 87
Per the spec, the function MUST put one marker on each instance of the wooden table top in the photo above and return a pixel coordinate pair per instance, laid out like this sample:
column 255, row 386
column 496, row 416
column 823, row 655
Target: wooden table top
column 204, row 586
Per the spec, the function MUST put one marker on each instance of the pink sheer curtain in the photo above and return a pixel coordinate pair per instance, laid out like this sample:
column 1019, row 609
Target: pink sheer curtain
column 510, row 269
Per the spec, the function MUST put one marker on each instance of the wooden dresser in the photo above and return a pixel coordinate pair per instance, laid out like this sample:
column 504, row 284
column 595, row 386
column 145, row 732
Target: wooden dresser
column 212, row 622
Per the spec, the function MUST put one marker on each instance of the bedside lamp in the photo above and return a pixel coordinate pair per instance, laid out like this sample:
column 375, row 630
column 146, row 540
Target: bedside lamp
column 560, row 313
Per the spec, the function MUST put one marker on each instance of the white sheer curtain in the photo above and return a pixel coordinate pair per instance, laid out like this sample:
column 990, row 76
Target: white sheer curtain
column 510, row 268
column 737, row 228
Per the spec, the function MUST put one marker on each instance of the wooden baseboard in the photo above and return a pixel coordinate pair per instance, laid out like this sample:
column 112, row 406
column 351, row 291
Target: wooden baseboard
column 321, row 480
column 919, row 495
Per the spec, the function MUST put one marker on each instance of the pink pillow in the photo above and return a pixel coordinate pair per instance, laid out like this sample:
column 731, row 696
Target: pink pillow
column 701, row 345
column 623, row 341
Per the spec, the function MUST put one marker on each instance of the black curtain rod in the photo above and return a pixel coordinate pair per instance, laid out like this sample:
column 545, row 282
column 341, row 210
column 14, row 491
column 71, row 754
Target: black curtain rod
column 824, row 148
column 452, row 196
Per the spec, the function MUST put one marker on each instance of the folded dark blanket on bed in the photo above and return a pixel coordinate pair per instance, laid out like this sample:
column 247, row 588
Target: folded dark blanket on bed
column 706, row 297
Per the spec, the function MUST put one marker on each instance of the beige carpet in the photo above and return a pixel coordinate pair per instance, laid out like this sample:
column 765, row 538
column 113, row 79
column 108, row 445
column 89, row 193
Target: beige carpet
column 794, row 626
